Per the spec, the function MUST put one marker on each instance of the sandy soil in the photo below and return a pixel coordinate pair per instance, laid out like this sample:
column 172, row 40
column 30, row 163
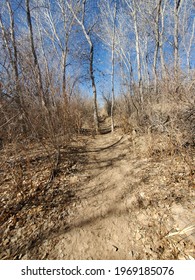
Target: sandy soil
column 126, row 208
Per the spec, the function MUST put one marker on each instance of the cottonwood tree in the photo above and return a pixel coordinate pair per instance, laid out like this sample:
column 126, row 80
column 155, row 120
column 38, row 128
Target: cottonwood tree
column 113, row 65
column 9, row 39
column 157, row 41
column 107, row 33
column 188, row 32
column 133, row 9
column 55, row 24
column 10, row 70
column 79, row 13
column 177, row 8
column 162, row 39
column 125, row 49
column 46, row 73
column 152, row 15
column 40, row 92
column 124, row 46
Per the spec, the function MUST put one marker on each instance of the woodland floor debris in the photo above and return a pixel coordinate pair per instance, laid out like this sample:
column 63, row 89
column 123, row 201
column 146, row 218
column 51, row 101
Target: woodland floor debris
column 107, row 193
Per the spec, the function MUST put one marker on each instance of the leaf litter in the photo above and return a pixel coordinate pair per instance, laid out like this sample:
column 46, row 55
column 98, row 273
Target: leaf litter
column 98, row 197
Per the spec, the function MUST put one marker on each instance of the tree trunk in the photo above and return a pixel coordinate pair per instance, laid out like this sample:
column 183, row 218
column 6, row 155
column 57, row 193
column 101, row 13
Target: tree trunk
column 48, row 81
column 177, row 7
column 96, row 121
column 91, row 58
column 190, row 47
column 162, row 60
column 134, row 14
column 13, row 54
column 12, row 33
column 113, row 72
column 36, row 64
column 64, row 58
column 157, row 35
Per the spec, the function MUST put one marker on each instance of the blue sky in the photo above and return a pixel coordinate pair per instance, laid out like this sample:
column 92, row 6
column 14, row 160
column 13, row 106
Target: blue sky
column 102, row 55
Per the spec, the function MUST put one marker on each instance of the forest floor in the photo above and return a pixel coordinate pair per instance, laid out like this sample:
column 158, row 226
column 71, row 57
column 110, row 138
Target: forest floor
column 108, row 200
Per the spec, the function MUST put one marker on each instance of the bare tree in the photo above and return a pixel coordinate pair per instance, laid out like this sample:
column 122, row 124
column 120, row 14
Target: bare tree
column 188, row 32
column 11, row 46
column 108, row 18
column 34, row 54
column 152, row 33
column 13, row 40
column 157, row 37
column 56, row 25
column 113, row 66
column 177, row 7
column 133, row 7
column 161, row 36
column 81, row 22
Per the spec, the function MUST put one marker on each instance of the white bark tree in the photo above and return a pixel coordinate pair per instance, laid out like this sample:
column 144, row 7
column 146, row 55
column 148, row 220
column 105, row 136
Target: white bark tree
column 113, row 66
column 56, row 24
column 133, row 8
column 79, row 14
column 177, row 8
column 108, row 34
column 188, row 32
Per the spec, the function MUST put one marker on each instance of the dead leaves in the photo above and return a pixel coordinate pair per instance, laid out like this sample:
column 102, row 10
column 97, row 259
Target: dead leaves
column 35, row 197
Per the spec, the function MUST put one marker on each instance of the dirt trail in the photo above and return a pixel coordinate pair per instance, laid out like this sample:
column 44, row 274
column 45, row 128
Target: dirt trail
column 123, row 209
column 101, row 225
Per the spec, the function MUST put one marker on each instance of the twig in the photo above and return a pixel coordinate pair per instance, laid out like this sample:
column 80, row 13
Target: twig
column 54, row 169
column 9, row 120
